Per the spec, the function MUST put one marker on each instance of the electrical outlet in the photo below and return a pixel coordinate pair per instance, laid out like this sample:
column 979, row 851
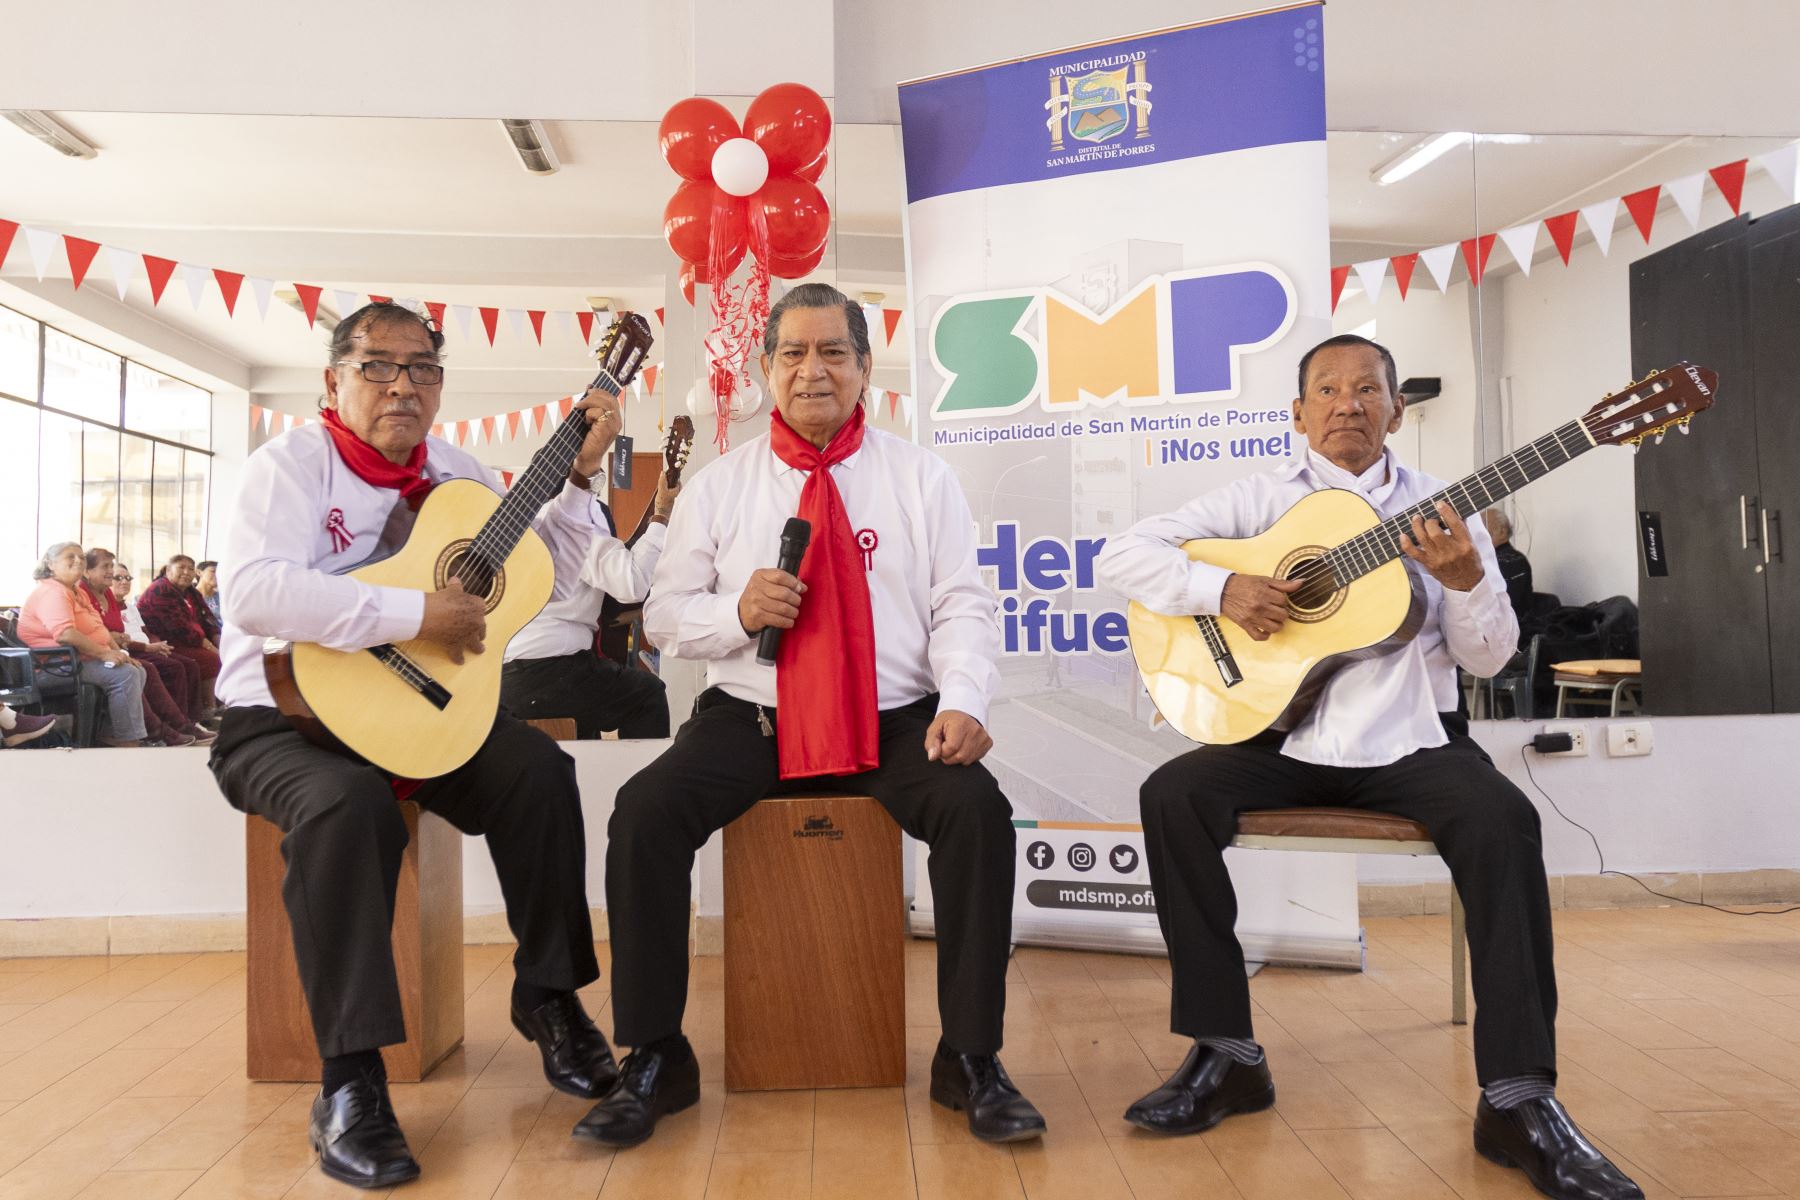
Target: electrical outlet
column 1577, row 732
column 1625, row 741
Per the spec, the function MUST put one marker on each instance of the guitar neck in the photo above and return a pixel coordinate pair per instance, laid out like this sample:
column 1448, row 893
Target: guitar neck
column 540, row 481
column 1378, row 546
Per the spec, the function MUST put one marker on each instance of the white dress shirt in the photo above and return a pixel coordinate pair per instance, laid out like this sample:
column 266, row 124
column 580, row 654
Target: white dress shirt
column 1375, row 711
column 608, row 568
column 302, row 517
column 936, row 622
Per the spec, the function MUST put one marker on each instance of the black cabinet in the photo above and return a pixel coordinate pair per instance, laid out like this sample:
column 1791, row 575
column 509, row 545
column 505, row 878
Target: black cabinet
column 1720, row 631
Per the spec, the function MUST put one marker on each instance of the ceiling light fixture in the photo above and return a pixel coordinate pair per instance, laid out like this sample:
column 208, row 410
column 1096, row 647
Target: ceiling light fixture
column 53, row 133
column 1416, row 156
column 532, row 144
column 600, row 304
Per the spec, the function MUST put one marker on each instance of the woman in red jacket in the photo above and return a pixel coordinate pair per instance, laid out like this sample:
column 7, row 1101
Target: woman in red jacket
column 174, row 612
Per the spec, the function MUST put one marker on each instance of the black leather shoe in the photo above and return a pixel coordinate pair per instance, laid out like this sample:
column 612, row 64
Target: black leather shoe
column 1538, row 1137
column 358, row 1138
column 1207, row 1087
column 577, row 1059
column 655, row 1081
column 978, row 1084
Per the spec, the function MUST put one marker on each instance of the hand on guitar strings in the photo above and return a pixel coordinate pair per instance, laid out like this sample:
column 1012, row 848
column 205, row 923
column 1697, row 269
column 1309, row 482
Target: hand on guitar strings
column 455, row 620
column 1257, row 604
column 1443, row 547
column 956, row 739
column 606, row 416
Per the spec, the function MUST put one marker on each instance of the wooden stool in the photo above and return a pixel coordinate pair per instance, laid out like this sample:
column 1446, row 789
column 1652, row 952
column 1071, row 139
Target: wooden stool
column 815, row 971
column 428, row 956
column 1358, row 831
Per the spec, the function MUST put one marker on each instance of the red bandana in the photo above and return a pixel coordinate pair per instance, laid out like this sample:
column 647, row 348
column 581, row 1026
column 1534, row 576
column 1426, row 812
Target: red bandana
column 372, row 466
column 825, row 673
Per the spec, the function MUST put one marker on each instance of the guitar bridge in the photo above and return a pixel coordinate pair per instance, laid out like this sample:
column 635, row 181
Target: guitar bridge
column 413, row 675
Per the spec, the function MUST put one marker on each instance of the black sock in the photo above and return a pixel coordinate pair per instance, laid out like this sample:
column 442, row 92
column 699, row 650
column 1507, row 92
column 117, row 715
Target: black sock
column 528, row 997
column 345, row 1068
column 675, row 1047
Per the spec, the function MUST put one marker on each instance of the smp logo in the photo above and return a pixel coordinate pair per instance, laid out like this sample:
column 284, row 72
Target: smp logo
column 1173, row 336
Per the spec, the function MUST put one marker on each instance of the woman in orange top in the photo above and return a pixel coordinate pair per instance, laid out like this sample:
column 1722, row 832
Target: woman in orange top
column 57, row 614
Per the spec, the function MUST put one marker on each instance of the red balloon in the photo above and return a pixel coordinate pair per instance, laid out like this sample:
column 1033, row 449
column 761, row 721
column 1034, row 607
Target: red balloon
column 799, row 219
column 691, row 130
column 795, row 266
column 792, row 125
column 812, row 170
column 688, row 220
column 686, row 278
column 693, row 273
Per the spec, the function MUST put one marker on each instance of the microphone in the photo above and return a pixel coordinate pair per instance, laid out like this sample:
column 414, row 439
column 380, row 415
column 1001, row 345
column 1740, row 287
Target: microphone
column 794, row 536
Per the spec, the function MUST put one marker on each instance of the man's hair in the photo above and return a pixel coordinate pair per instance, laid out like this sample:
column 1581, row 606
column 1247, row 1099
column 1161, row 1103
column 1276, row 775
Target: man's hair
column 98, row 555
column 211, row 562
column 42, row 570
column 1353, row 339
column 369, row 316
column 819, row 295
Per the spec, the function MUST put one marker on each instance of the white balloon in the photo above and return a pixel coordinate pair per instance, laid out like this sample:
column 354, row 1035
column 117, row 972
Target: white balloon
column 740, row 167
column 746, row 401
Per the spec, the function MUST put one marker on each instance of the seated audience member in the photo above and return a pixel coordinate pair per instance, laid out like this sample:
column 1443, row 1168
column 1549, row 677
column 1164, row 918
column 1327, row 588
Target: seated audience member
column 1515, row 568
column 20, row 729
column 206, row 582
column 56, row 613
column 173, row 612
column 166, row 678
column 551, row 668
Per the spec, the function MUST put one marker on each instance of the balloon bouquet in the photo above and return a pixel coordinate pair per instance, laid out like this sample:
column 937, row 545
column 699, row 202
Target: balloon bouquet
column 745, row 189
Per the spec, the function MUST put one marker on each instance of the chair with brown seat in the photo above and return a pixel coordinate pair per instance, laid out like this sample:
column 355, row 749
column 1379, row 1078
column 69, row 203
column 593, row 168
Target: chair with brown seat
column 1613, row 683
column 1358, row 831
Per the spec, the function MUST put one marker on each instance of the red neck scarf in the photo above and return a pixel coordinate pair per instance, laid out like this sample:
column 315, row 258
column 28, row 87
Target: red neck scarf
column 825, row 672
column 372, row 466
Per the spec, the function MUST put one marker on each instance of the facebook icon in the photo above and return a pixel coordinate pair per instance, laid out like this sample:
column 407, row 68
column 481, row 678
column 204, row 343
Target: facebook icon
column 1040, row 855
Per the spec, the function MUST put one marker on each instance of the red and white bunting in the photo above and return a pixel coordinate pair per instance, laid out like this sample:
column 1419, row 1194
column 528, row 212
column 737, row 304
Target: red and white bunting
column 1404, row 264
column 1783, row 166
column 1521, row 242
column 463, row 314
column 123, row 265
column 346, row 302
column 516, row 316
column 891, row 318
column 262, row 289
column 42, row 245
column 1686, row 194
column 1372, row 275
column 159, row 270
column 1601, row 217
column 1562, row 232
column 1338, row 276
column 1641, row 204
column 1439, row 260
column 1729, row 179
column 81, row 256
column 195, row 279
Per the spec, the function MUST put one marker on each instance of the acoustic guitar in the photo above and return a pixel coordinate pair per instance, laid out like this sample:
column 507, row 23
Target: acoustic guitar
column 1359, row 599
column 613, row 636
column 406, row 707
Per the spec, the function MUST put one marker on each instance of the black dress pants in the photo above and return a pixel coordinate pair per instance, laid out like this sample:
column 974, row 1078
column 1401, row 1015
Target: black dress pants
column 720, row 765
column 343, row 841
column 597, row 692
column 1483, row 826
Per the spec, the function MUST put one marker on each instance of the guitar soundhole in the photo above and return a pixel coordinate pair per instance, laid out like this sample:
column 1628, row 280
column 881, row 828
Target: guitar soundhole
column 1321, row 596
column 449, row 565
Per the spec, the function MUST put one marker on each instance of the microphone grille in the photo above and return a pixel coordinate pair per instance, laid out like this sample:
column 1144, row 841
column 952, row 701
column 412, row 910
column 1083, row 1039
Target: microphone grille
column 798, row 530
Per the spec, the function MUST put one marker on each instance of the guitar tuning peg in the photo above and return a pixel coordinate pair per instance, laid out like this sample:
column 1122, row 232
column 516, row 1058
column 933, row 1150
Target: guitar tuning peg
column 1659, row 438
column 1683, row 427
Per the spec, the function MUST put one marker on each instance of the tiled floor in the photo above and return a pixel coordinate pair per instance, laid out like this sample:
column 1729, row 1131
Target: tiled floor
column 1680, row 1035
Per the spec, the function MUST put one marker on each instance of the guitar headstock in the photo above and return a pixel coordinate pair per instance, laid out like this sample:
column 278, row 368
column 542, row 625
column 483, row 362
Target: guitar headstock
column 625, row 347
column 1652, row 404
column 676, row 448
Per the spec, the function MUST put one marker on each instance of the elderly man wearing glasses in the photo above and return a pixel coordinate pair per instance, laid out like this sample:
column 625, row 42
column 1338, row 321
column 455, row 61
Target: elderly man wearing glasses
column 315, row 503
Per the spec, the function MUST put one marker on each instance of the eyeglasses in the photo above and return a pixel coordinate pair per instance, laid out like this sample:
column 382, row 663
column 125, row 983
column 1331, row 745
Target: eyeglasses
column 377, row 371
column 121, row 579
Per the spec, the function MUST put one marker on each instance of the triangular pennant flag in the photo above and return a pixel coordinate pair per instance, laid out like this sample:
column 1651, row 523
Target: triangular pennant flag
column 7, row 231
column 537, row 417
column 487, row 430
column 893, row 400
column 650, row 374
column 159, row 270
column 374, row 299
column 1439, row 260
column 875, row 395
column 262, row 289
column 512, row 424
column 256, row 416
column 1783, row 166
column 891, row 318
column 1729, row 179
column 436, row 309
column 463, row 314
column 565, row 322
column 537, row 323
column 565, row 405
column 1521, row 243
column 871, row 315
column 1475, row 254
column 906, row 406
column 1372, row 275
column 461, row 432
column 1338, row 276
column 517, row 317
column 346, row 301
column 1601, row 216
column 42, row 244
column 506, row 479
column 585, row 319
column 659, row 316
column 1686, row 194
column 81, row 256
column 229, row 282
column 1562, row 232
column 309, row 301
column 1403, row 269
column 1642, row 207
column 490, row 317
column 437, row 431
column 122, row 263
column 268, row 420
column 195, row 278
